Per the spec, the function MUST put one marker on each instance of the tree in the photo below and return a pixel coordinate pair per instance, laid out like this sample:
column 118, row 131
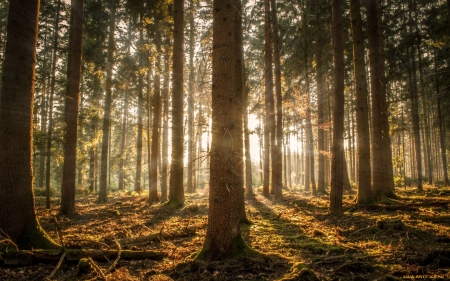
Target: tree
column 50, row 110
column 103, row 194
column 277, row 171
column 338, row 159
column 269, row 124
column 223, row 235
column 380, row 170
column 190, row 185
column 362, row 117
column 176, row 190
column 71, row 108
column 18, row 220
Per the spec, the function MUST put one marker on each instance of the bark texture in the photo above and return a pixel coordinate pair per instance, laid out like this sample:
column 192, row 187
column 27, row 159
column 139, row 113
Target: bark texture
column 71, row 108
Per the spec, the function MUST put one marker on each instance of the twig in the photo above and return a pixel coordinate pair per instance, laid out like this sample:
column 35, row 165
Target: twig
column 97, row 268
column 119, row 249
column 58, row 265
column 91, row 241
column 8, row 240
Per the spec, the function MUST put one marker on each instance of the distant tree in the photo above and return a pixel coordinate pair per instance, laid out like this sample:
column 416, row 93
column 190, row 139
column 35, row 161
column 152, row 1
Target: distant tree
column 176, row 191
column 338, row 159
column 362, row 114
column 277, row 170
column 269, row 121
column 103, row 192
column 190, row 99
column 223, row 235
column 71, row 108
column 18, row 220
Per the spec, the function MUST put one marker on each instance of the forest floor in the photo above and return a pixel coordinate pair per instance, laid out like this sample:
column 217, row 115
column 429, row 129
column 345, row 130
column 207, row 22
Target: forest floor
column 298, row 240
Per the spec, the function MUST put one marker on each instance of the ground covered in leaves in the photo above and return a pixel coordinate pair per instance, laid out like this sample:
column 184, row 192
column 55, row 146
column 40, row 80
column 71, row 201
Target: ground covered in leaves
column 297, row 238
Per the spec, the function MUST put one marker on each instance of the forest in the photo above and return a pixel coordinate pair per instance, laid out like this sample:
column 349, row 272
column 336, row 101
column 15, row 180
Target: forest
column 224, row 140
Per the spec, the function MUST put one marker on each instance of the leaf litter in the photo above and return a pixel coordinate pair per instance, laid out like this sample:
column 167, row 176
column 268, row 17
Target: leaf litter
column 297, row 239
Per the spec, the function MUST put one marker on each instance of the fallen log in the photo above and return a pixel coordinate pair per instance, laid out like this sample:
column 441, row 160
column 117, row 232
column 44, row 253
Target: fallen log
column 42, row 255
column 162, row 235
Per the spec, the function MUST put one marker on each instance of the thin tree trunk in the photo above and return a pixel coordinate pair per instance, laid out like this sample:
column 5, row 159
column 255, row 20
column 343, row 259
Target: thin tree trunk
column 277, row 167
column 176, row 193
column 338, row 160
column 140, row 86
column 362, row 110
column 268, row 102
column 441, row 124
column 190, row 187
column 165, row 131
column 71, row 108
column 50, row 113
column 153, row 189
column 103, row 194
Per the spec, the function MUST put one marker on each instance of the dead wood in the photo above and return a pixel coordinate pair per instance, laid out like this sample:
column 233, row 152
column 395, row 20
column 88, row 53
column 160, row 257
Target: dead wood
column 42, row 255
column 161, row 235
column 381, row 208
column 393, row 224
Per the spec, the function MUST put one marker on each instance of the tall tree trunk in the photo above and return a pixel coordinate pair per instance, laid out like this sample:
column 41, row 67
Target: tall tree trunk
column 103, row 195
column 441, row 124
column 50, row 110
column 176, row 193
column 320, row 100
column 153, row 190
column 71, row 108
column 138, row 177
column 415, row 105
column 338, row 159
column 248, row 160
column 165, row 129
column 362, row 110
column 223, row 235
column 268, row 101
column 18, row 220
column 190, row 187
column 277, row 166
column 380, row 171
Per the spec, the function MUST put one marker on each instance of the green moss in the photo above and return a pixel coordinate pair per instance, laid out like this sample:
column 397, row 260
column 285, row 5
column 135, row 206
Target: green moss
column 237, row 249
column 83, row 266
column 34, row 237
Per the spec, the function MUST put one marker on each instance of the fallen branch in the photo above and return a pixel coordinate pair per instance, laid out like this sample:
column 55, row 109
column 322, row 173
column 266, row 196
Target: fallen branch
column 35, row 256
column 119, row 249
column 160, row 235
column 58, row 265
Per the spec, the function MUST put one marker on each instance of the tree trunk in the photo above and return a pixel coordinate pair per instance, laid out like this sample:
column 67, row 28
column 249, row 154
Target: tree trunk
column 415, row 105
column 320, row 100
column 153, row 189
column 71, row 108
column 248, row 160
column 190, row 187
column 223, row 235
column 277, row 167
column 140, row 86
column 380, row 184
column 441, row 124
column 50, row 112
column 103, row 195
column 338, row 159
column 268, row 101
column 165, row 129
column 176, row 193
column 18, row 219
column 362, row 110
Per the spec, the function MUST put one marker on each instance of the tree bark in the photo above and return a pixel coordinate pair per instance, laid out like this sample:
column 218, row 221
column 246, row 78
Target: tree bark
column 18, row 219
column 338, row 159
column 320, row 100
column 140, row 111
column 50, row 110
column 71, row 108
column 153, row 189
column 223, row 235
column 362, row 110
column 103, row 194
column 277, row 171
column 165, row 129
column 269, row 100
column 176, row 192
column 190, row 187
